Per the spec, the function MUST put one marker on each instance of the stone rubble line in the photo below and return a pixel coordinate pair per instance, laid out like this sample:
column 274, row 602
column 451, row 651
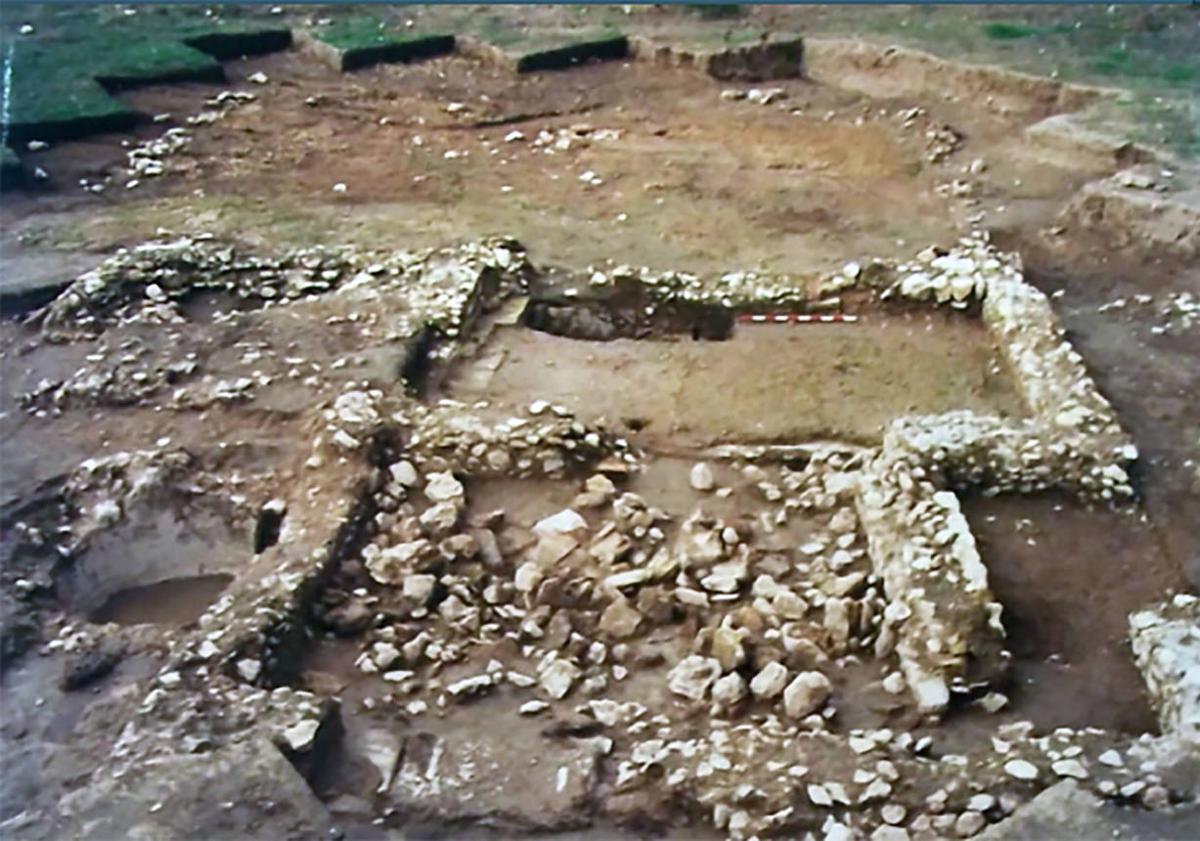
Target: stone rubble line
column 1073, row 441
column 1166, row 646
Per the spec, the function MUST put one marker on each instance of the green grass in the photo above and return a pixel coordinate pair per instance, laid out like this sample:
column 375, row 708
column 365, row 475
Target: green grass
column 366, row 41
column 1000, row 30
column 1149, row 51
column 1003, row 31
column 1160, row 122
column 351, row 33
column 60, row 74
column 496, row 31
column 717, row 11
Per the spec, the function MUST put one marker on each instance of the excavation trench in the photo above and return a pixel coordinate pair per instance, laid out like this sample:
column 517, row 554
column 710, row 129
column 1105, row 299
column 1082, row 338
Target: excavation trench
column 1069, row 575
column 760, row 383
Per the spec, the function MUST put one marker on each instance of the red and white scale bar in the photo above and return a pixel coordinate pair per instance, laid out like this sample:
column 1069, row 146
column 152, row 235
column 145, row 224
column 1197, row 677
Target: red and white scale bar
column 796, row 318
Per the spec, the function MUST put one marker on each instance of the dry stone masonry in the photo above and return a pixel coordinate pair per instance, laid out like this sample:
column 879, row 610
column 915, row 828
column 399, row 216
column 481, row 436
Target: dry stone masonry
column 637, row 654
column 1166, row 645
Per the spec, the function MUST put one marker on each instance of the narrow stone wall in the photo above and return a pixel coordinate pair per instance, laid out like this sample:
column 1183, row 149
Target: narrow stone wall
column 941, row 614
column 1166, row 647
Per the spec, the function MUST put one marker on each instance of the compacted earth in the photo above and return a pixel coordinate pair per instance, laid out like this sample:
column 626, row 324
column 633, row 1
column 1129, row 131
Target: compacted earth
column 434, row 450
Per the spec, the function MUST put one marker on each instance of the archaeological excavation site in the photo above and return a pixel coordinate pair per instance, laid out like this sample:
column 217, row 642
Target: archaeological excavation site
column 600, row 422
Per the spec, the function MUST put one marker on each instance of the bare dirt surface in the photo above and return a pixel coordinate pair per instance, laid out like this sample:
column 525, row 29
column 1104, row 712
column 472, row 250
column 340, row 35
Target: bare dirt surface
column 838, row 380
column 350, row 525
column 1073, row 664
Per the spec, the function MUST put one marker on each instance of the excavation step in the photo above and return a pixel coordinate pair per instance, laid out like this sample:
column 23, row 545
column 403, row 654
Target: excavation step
column 352, row 44
column 745, row 56
column 525, row 53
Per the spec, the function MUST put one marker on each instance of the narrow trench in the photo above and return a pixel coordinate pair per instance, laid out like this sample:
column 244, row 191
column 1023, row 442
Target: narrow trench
column 607, row 320
column 690, row 376
column 1069, row 575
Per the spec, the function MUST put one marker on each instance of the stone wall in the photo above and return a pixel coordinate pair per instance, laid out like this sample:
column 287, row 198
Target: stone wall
column 1166, row 646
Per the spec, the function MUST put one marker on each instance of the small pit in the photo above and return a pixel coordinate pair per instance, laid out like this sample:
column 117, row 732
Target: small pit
column 175, row 601
column 163, row 564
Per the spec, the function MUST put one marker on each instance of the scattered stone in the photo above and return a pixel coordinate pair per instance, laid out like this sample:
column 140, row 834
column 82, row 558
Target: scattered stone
column 769, row 681
column 693, row 676
column 701, row 477
column 558, row 677
column 729, row 691
column 1069, row 768
column 727, row 648
column 620, row 619
column 403, row 473
column 1020, row 769
column 563, row 522
column 968, row 824
column 419, row 588
column 893, row 813
column 443, row 487
column 806, row 694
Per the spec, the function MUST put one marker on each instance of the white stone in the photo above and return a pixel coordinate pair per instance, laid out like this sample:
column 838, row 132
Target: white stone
column 1069, row 768
column 770, row 680
column 1020, row 769
column 565, row 521
column 968, row 824
column 558, row 677
column 729, row 690
column 981, row 802
column 693, row 676
column 300, row 736
column 701, row 477
column 893, row 813
column 527, row 577
column 819, row 795
column 806, row 694
column 419, row 587
column 443, row 487
column 249, row 669
column 403, row 473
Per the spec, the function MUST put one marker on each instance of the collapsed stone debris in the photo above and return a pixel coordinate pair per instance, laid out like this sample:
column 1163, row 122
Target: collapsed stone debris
column 695, row 650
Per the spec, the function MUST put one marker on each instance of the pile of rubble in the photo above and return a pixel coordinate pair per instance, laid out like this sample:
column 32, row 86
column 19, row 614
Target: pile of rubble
column 151, row 280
